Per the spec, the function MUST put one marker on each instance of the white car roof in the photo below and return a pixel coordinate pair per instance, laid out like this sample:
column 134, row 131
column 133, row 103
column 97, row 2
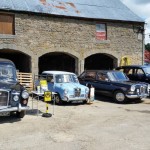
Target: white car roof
column 57, row 72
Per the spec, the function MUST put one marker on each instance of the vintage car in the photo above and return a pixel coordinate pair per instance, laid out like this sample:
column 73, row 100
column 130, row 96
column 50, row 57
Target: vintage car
column 114, row 84
column 136, row 72
column 66, row 85
column 13, row 96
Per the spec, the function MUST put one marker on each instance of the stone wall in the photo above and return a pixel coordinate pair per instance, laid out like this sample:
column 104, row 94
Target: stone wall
column 36, row 35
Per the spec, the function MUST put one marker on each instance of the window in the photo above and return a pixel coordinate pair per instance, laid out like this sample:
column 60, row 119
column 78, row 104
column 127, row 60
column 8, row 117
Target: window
column 6, row 24
column 90, row 75
column 101, row 31
column 102, row 77
column 140, row 71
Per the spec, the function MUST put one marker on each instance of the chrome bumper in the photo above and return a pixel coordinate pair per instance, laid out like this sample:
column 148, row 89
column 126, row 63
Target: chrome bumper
column 138, row 96
column 19, row 108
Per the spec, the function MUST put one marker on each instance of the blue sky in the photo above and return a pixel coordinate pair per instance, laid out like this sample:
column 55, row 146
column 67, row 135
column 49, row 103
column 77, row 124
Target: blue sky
column 142, row 9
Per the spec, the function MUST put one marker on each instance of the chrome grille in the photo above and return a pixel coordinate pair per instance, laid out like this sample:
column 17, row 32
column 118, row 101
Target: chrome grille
column 4, row 98
column 143, row 89
column 77, row 92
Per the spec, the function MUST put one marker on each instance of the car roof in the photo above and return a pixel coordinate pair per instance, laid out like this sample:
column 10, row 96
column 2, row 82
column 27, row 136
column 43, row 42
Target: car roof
column 6, row 61
column 105, row 71
column 134, row 66
column 56, row 72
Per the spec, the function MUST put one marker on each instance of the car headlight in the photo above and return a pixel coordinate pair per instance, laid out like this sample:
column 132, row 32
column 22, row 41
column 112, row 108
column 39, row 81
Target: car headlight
column 86, row 90
column 132, row 88
column 16, row 98
column 25, row 94
column 65, row 91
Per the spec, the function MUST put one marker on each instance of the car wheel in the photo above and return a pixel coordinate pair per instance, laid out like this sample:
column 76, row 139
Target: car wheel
column 85, row 102
column 21, row 114
column 58, row 100
column 119, row 97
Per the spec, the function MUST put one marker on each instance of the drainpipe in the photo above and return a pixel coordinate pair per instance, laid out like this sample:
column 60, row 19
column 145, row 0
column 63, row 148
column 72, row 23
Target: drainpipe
column 143, row 46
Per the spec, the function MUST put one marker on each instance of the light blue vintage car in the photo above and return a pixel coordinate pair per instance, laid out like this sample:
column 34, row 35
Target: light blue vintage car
column 67, row 86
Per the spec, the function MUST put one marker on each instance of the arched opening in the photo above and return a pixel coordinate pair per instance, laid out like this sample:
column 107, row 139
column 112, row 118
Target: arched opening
column 21, row 60
column 57, row 61
column 100, row 61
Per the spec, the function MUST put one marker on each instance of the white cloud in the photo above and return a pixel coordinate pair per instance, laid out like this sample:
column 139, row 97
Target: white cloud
column 142, row 9
column 141, row 1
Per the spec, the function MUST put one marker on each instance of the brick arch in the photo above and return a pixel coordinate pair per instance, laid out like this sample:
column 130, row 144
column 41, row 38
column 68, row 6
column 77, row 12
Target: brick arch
column 17, row 48
column 21, row 57
column 107, row 52
column 100, row 54
column 73, row 54
column 72, row 57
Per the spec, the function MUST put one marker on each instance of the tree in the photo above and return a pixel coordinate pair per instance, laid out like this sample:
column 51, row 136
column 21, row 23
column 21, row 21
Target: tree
column 147, row 46
column 147, row 56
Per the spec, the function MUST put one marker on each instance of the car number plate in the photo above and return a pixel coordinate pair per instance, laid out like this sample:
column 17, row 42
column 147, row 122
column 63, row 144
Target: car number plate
column 4, row 113
column 77, row 101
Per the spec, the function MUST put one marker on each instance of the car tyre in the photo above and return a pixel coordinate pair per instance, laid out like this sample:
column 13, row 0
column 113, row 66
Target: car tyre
column 58, row 100
column 85, row 101
column 119, row 97
column 21, row 114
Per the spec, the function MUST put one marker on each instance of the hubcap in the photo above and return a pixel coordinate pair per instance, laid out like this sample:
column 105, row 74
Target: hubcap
column 57, row 99
column 120, row 97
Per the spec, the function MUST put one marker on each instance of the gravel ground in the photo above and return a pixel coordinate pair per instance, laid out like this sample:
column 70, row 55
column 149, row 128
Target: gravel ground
column 101, row 125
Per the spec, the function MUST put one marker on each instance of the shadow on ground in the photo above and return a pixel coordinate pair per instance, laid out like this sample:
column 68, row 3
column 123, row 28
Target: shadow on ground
column 34, row 112
column 9, row 119
column 110, row 100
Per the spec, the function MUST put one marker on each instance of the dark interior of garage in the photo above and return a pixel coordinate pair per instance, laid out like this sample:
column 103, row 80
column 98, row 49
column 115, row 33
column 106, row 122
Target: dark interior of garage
column 99, row 62
column 56, row 61
column 22, row 61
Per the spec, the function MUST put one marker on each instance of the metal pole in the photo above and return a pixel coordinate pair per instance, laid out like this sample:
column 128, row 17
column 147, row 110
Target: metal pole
column 143, row 44
column 53, row 103
column 143, row 50
column 37, row 105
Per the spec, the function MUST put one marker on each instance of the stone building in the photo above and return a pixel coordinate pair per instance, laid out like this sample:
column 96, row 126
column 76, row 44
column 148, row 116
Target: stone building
column 70, row 35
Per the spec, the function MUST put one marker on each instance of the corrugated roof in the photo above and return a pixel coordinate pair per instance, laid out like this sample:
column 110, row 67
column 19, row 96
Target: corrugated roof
column 97, row 9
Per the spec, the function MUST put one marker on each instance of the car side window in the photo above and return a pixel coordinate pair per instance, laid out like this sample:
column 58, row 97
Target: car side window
column 139, row 71
column 102, row 77
column 50, row 78
column 90, row 75
column 128, row 71
column 122, row 70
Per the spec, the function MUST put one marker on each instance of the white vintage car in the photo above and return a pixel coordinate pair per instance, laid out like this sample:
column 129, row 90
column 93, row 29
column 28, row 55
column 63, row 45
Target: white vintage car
column 66, row 85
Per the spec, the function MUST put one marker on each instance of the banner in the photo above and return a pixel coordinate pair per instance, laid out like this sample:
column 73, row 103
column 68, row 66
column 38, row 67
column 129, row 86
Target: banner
column 47, row 96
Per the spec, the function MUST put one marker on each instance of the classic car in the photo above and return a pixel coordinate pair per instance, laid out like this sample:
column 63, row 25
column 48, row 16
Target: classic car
column 66, row 85
column 13, row 96
column 114, row 84
column 136, row 72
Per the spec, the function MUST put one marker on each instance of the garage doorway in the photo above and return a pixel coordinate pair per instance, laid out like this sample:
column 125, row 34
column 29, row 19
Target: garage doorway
column 21, row 60
column 100, row 62
column 57, row 61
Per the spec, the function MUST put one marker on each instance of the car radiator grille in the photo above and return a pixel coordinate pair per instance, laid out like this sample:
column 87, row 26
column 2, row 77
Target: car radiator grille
column 143, row 89
column 4, row 98
column 77, row 92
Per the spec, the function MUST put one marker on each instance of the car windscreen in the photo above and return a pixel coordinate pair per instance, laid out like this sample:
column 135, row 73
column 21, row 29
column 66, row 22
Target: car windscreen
column 7, row 73
column 147, row 70
column 66, row 78
column 117, row 76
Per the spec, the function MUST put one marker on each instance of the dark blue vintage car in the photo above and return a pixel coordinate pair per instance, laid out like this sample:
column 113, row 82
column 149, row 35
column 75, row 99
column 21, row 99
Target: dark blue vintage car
column 136, row 72
column 13, row 96
column 114, row 84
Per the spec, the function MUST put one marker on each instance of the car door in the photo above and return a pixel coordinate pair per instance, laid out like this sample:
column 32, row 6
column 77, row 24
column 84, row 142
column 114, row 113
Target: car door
column 102, row 84
column 140, row 75
column 87, row 78
column 50, row 81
